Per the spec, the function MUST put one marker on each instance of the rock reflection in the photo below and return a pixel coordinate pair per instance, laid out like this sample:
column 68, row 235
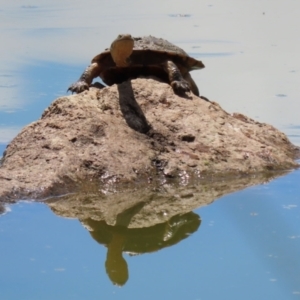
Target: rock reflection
column 120, row 238
column 143, row 220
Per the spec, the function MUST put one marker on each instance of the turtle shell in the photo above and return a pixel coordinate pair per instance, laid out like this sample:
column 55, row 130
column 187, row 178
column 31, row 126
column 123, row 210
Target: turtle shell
column 147, row 58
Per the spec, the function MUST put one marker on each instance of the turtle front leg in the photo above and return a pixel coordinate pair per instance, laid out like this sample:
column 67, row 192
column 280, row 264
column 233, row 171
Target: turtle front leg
column 177, row 82
column 85, row 80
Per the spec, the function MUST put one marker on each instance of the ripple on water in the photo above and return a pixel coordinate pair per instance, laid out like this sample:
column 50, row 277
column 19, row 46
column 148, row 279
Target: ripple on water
column 179, row 15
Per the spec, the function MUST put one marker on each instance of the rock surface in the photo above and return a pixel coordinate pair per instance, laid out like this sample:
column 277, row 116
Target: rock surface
column 137, row 131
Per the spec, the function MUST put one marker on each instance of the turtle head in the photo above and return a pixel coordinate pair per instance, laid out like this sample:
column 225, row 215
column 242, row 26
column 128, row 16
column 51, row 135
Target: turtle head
column 121, row 49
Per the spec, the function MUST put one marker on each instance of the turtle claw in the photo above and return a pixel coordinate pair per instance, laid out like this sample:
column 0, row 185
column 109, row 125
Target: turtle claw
column 78, row 87
column 180, row 87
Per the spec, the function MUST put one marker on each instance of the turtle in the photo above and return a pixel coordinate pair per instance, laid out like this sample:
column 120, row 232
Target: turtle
column 131, row 57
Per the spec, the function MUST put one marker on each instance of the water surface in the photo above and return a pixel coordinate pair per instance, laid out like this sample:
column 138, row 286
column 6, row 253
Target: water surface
column 243, row 246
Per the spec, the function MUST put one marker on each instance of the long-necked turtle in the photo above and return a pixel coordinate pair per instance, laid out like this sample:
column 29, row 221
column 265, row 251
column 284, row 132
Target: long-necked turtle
column 130, row 57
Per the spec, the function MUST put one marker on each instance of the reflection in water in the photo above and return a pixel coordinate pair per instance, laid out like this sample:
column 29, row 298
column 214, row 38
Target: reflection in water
column 248, row 245
column 137, row 221
column 120, row 238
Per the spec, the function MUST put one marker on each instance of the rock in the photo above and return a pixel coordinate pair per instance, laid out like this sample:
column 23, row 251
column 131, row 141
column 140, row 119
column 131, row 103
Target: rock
column 137, row 131
column 148, row 206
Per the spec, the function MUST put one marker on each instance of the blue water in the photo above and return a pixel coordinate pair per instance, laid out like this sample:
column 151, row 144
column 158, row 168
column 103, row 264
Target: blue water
column 2, row 148
column 41, row 83
column 247, row 247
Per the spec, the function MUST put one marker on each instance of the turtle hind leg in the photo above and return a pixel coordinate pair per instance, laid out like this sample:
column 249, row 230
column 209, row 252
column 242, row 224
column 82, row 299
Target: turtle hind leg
column 193, row 86
column 85, row 80
column 192, row 83
column 177, row 82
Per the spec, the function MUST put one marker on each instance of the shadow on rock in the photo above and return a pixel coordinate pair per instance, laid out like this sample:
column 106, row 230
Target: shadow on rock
column 131, row 110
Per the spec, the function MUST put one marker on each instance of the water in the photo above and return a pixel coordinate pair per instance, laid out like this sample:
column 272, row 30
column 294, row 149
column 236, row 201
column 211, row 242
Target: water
column 243, row 246
column 246, row 247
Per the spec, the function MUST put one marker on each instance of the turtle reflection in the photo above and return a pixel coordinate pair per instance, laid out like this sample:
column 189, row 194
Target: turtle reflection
column 120, row 238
